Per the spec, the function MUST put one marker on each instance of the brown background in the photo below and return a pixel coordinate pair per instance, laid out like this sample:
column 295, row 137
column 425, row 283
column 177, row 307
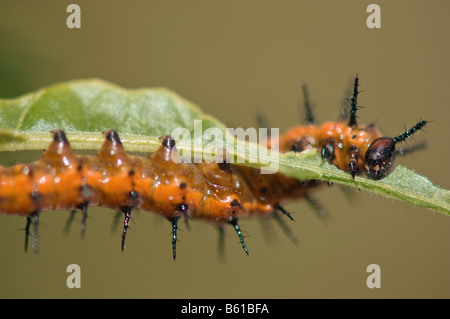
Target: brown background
column 232, row 58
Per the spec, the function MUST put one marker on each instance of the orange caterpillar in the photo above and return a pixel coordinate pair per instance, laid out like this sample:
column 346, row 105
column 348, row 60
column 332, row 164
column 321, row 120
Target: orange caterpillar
column 217, row 192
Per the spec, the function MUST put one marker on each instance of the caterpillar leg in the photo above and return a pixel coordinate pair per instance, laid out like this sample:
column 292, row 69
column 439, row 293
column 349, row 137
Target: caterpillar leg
column 281, row 222
column 33, row 219
column 267, row 229
column 281, row 209
column 174, row 221
column 285, row 227
column 69, row 221
column 126, row 221
column 318, row 209
column 309, row 116
column 72, row 217
column 234, row 223
column 261, row 120
column 84, row 207
column 183, row 208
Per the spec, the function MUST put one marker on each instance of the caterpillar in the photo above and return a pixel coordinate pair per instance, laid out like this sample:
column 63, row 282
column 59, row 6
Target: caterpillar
column 220, row 193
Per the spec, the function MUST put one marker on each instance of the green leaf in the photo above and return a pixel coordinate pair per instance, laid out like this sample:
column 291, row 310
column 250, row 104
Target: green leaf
column 86, row 108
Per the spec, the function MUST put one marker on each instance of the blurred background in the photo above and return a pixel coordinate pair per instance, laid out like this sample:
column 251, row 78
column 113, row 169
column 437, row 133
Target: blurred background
column 233, row 58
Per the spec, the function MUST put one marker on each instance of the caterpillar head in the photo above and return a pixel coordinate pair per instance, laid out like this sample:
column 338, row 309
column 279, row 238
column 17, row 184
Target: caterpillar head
column 379, row 157
column 380, row 154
